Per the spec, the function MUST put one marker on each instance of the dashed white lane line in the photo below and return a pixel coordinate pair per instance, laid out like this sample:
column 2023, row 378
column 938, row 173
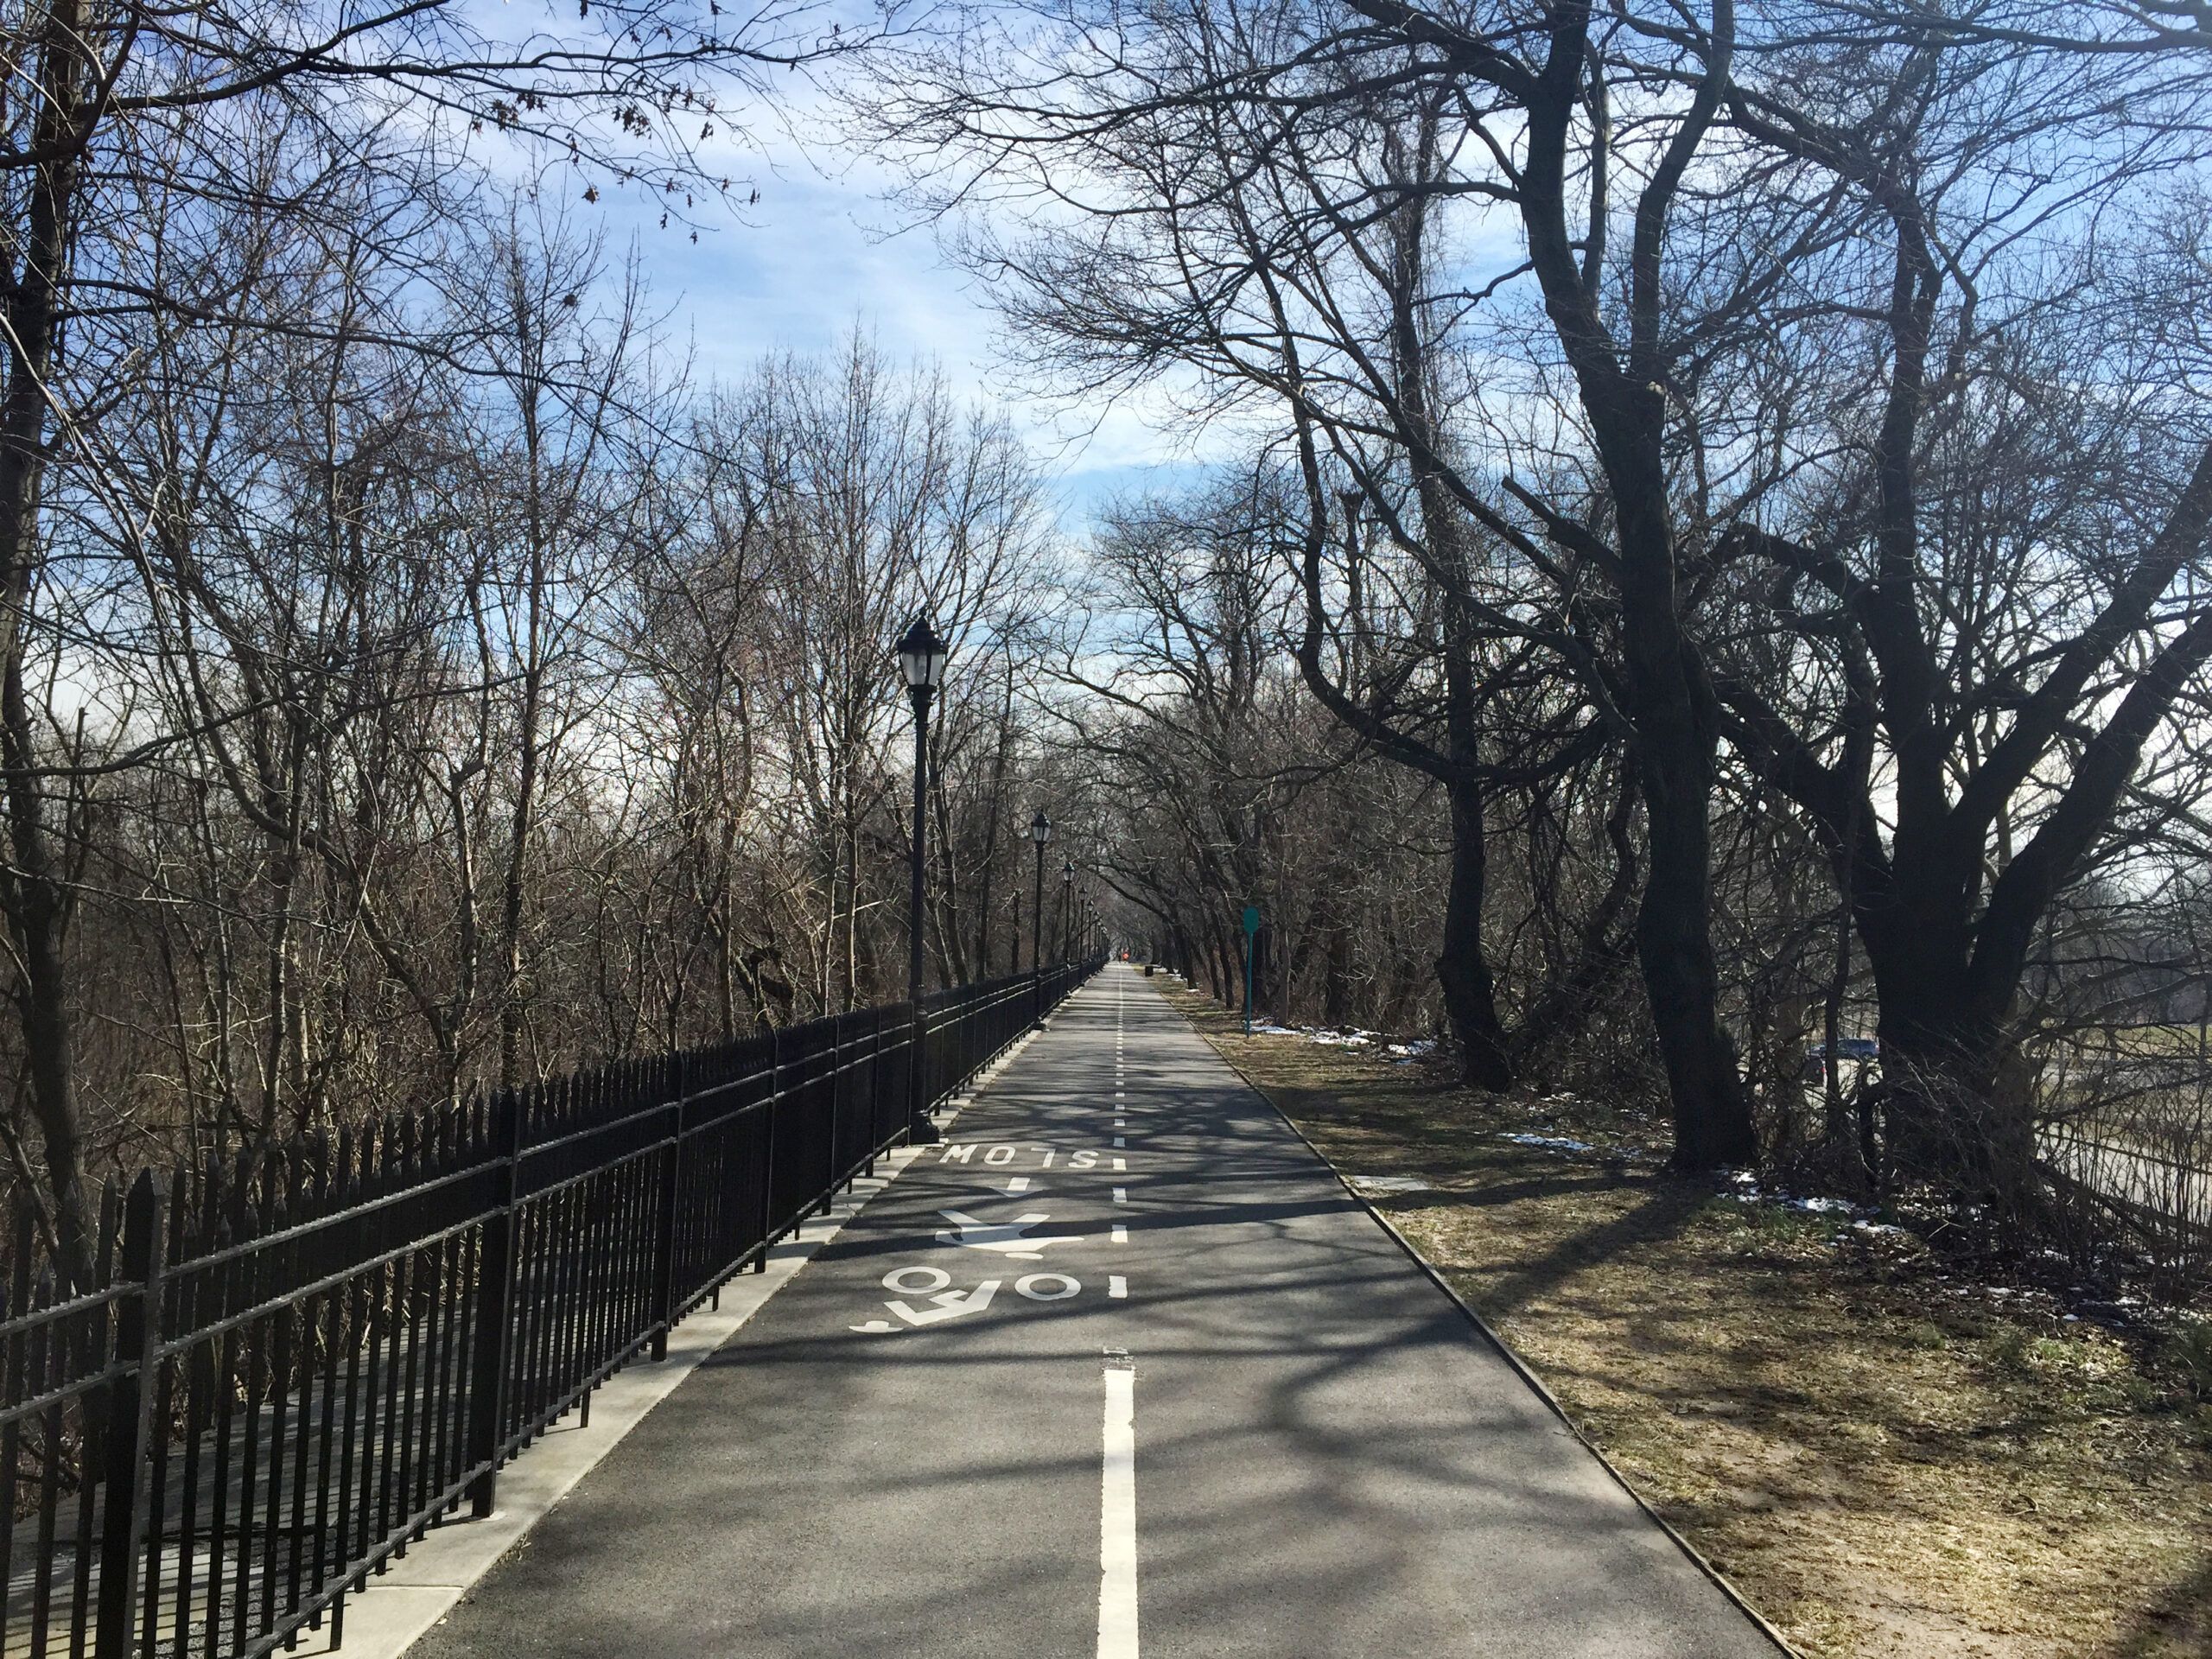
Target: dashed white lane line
column 1117, row 1514
column 1119, row 1142
column 1121, row 1233
column 1117, row 1288
column 1017, row 1184
column 1120, row 1166
column 1120, row 1195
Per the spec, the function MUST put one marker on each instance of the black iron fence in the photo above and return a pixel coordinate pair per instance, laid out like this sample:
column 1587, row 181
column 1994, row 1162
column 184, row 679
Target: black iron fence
column 292, row 1364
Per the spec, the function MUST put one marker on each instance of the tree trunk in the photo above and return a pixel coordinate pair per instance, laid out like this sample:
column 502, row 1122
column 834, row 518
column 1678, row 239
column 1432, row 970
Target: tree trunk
column 35, row 894
column 1955, row 1111
column 1670, row 705
column 1674, row 939
column 1462, row 967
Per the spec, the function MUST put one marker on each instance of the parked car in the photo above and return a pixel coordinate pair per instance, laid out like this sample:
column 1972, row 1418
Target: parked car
column 1849, row 1048
column 1850, row 1051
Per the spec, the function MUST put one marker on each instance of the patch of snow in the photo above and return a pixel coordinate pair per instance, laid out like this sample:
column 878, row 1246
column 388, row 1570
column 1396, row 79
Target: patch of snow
column 1312, row 1035
column 1418, row 1046
column 1548, row 1142
column 1821, row 1206
column 1748, row 1191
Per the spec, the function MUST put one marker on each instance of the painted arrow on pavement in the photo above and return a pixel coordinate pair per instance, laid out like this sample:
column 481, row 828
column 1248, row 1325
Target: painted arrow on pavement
column 1007, row 1238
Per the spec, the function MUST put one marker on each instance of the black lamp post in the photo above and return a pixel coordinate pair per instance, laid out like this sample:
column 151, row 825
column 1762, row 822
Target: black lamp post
column 1040, row 832
column 921, row 660
column 1067, row 895
column 1040, row 835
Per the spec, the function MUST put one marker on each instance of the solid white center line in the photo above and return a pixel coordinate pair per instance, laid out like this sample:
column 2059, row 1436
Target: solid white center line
column 1117, row 1514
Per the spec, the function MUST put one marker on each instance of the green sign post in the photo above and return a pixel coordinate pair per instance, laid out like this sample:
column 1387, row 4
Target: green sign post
column 1251, row 929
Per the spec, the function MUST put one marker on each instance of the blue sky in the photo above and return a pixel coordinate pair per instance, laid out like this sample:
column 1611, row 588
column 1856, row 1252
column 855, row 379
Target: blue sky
column 822, row 253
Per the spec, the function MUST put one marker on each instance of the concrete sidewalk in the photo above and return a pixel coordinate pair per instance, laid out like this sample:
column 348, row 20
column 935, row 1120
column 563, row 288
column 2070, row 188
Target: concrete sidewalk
column 1121, row 1368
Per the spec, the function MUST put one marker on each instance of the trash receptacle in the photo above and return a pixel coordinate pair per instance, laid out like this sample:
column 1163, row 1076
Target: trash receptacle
column 1147, row 970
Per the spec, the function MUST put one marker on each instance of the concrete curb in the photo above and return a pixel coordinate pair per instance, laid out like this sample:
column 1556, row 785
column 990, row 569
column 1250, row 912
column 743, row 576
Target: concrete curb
column 1520, row 1367
column 418, row 1589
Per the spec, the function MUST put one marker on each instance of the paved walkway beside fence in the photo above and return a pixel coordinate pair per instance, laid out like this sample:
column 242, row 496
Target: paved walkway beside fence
column 1120, row 1370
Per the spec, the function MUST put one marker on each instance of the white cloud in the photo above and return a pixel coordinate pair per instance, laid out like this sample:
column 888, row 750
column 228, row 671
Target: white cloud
column 820, row 253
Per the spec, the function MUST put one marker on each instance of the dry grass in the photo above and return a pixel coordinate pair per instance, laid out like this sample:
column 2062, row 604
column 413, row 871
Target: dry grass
column 1887, row 1462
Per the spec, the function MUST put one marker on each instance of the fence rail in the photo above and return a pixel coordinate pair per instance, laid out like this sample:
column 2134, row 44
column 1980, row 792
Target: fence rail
column 2159, row 1205
column 293, row 1363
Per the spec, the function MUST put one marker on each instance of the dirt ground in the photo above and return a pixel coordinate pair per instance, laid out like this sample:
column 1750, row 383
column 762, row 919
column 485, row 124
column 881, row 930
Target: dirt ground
column 1890, row 1461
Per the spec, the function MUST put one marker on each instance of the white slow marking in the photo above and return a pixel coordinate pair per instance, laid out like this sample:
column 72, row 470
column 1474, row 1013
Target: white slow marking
column 1117, row 1514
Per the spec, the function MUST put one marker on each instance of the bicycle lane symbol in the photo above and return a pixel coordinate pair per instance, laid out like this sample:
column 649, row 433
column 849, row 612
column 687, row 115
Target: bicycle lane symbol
column 932, row 1287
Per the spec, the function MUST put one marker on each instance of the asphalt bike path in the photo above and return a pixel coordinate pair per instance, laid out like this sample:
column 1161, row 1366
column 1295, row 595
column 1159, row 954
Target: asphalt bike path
column 1121, row 1368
